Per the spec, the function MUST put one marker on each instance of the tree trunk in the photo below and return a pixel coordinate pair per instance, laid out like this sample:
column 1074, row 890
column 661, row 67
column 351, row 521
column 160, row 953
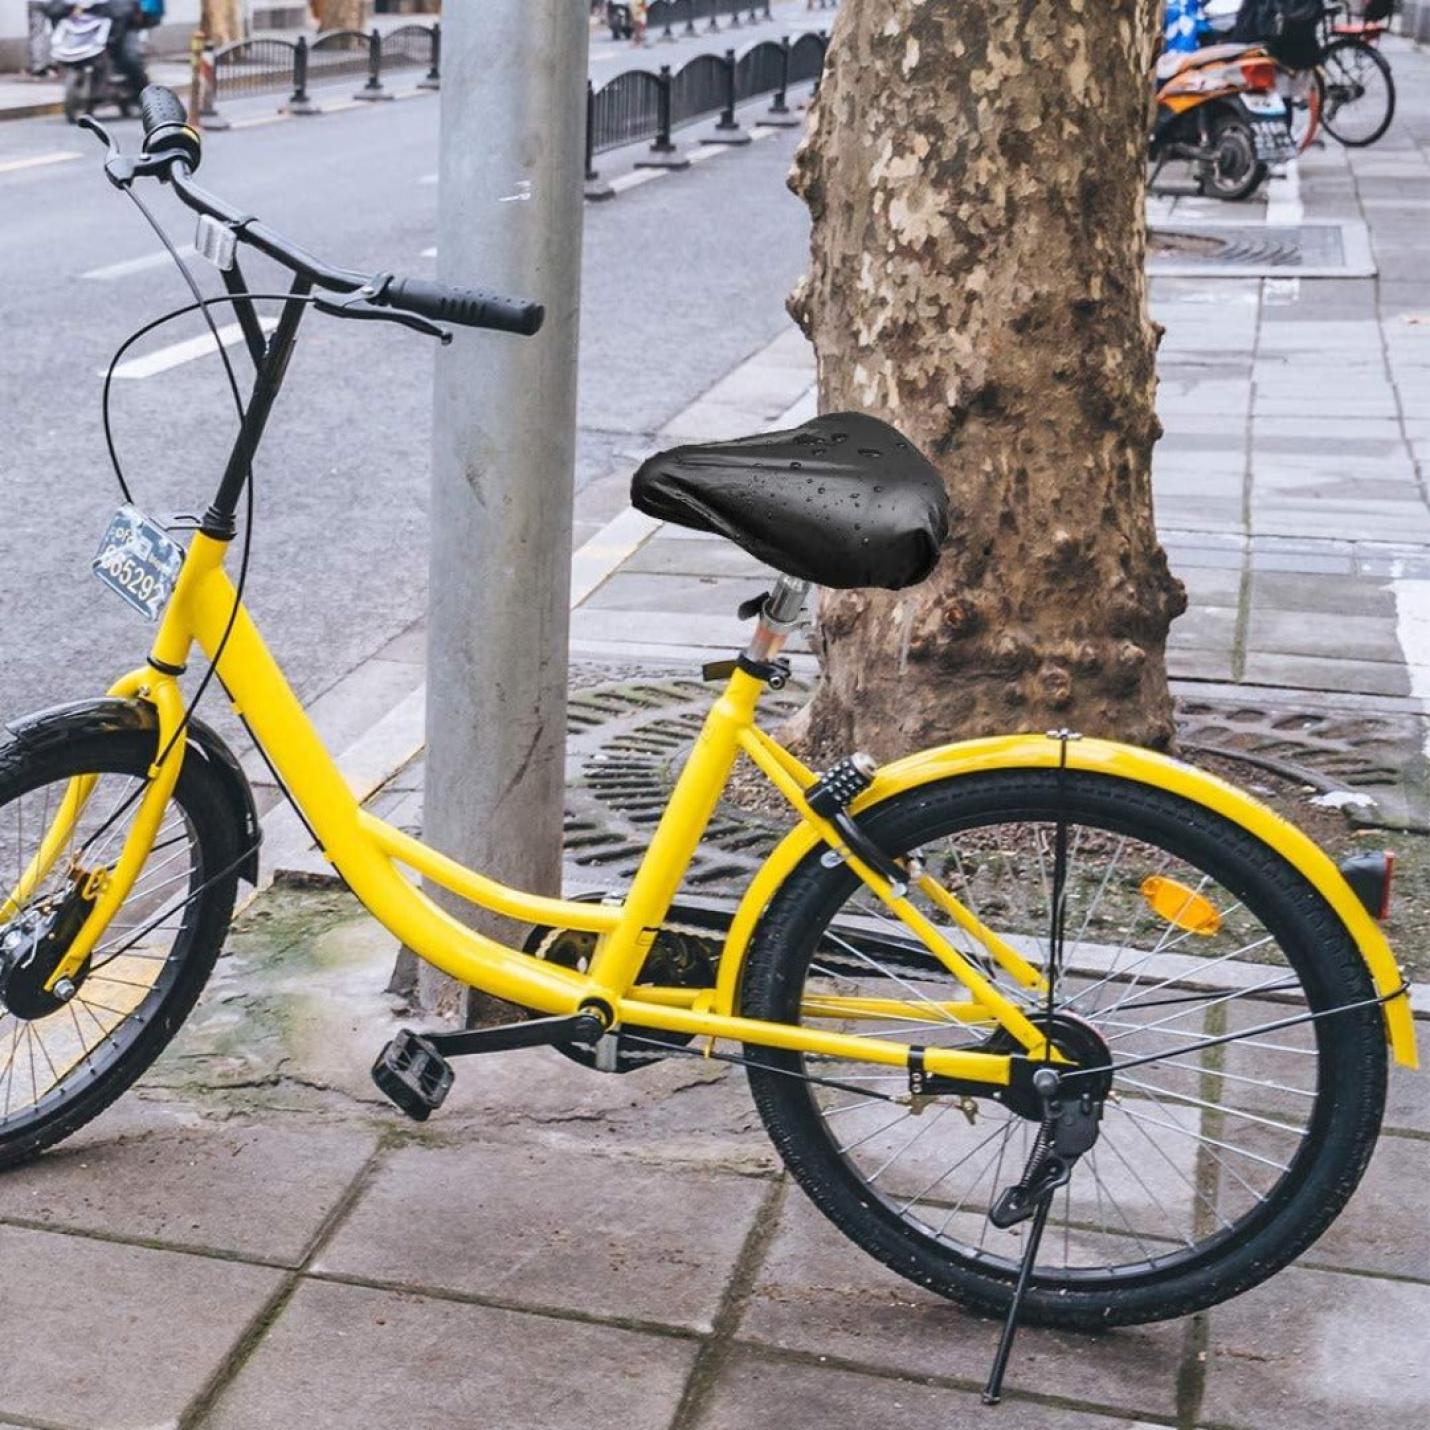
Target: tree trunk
column 221, row 21
column 975, row 175
column 342, row 14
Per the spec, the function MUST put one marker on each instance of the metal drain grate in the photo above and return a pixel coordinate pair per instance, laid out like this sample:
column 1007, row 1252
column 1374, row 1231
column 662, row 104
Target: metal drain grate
column 1377, row 755
column 626, row 745
column 1229, row 250
column 629, row 732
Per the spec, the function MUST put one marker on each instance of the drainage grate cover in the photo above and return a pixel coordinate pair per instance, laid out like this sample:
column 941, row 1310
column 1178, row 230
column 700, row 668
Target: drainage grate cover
column 628, row 734
column 1255, row 250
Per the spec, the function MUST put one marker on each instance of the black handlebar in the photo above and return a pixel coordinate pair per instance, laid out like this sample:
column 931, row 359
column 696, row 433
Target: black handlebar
column 469, row 306
column 166, row 126
column 167, row 131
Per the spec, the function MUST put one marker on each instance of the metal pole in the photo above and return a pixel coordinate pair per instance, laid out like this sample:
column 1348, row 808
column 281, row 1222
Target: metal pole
column 509, row 218
column 299, row 102
column 433, row 79
column 373, row 88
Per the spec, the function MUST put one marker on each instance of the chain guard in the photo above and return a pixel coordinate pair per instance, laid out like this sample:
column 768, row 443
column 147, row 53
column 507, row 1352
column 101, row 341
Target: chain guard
column 682, row 956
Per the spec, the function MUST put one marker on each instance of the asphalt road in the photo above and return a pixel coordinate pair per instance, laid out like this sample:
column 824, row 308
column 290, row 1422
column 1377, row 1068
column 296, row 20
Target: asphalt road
column 683, row 279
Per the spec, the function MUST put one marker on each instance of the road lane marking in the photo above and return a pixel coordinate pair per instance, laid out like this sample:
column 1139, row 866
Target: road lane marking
column 138, row 265
column 162, row 359
column 35, row 161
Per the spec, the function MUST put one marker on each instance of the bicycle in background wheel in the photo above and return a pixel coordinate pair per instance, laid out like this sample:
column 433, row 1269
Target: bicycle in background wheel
column 1059, row 1028
column 1357, row 88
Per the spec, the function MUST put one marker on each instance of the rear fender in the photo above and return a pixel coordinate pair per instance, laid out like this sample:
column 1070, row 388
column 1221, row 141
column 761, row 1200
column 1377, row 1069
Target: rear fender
column 82, row 718
column 1099, row 757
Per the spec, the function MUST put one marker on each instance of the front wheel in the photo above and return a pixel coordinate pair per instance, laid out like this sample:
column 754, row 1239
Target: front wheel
column 1359, row 93
column 1214, row 1166
column 64, row 1062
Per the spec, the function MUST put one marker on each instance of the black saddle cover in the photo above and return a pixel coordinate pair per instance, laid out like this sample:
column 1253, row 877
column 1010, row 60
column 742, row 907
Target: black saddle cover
column 845, row 500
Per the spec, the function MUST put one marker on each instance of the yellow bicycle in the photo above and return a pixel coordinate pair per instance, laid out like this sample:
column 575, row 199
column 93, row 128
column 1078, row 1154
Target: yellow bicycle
column 1049, row 1025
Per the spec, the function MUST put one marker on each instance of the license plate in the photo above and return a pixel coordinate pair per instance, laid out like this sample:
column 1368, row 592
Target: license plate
column 1264, row 103
column 138, row 561
column 1274, row 143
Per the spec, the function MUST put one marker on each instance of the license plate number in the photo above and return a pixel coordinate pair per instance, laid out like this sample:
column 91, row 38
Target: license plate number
column 138, row 561
column 1264, row 103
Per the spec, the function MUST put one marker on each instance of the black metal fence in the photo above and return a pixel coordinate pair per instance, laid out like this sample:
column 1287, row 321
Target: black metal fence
column 268, row 63
column 672, row 18
column 640, row 104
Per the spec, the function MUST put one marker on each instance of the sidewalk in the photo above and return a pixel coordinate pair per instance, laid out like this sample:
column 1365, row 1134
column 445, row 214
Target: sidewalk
column 253, row 1235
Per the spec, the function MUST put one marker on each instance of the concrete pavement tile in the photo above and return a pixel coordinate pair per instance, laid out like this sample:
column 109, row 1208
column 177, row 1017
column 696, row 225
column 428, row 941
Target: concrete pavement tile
column 1344, row 596
column 349, row 1358
column 1311, row 1349
column 1407, row 1102
column 1181, row 553
column 684, row 594
column 182, row 1187
column 819, row 1294
column 662, row 557
column 1209, row 627
column 1332, row 562
column 1192, row 663
column 724, row 632
column 1304, row 672
column 569, row 1228
column 99, row 1334
column 1208, row 585
column 753, row 1390
column 1292, row 632
column 1384, row 1226
column 1369, row 521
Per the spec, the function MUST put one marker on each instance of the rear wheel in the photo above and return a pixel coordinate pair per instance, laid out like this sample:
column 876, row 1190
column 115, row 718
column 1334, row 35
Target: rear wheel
column 1213, row 1168
column 1233, row 172
column 1359, row 92
column 62, row 1063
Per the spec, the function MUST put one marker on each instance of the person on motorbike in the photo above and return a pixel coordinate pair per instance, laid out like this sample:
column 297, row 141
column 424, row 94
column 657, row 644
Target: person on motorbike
column 127, row 20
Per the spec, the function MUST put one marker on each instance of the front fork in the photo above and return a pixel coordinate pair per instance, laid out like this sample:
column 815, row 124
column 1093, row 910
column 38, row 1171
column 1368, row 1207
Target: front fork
column 108, row 887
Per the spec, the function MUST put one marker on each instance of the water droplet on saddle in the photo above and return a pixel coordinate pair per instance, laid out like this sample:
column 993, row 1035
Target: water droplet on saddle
column 870, row 452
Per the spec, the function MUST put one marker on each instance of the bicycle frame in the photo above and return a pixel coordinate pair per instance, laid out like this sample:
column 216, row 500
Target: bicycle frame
column 371, row 855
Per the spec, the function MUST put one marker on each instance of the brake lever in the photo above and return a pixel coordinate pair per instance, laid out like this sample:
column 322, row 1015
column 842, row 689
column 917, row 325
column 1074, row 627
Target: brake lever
column 122, row 169
column 364, row 311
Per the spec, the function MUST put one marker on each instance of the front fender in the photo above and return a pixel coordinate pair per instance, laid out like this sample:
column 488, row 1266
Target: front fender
column 81, row 718
column 1099, row 757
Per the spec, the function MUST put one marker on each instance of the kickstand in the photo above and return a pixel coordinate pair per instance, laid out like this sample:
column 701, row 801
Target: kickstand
column 993, row 1391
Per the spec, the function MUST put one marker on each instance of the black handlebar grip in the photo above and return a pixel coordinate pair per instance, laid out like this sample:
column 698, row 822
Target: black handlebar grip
column 166, row 126
column 469, row 307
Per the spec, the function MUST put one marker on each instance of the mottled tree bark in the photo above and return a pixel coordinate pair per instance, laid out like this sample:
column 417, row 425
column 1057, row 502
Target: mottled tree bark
column 221, row 21
column 342, row 14
column 975, row 176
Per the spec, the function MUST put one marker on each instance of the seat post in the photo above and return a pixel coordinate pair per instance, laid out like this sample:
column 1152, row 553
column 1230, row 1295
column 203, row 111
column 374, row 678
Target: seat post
column 779, row 616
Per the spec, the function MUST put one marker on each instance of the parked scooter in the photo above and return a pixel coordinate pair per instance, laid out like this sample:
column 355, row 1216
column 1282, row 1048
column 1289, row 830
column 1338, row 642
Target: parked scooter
column 1219, row 108
column 80, row 45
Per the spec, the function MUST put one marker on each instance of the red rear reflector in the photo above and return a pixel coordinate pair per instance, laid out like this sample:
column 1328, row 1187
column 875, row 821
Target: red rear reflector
column 1259, row 76
column 1369, row 876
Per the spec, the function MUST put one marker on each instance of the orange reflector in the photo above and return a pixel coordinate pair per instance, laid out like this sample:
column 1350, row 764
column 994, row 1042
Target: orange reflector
column 1180, row 905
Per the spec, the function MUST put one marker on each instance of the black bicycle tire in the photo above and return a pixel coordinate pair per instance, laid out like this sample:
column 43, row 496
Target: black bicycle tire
column 210, row 812
column 1350, row 42
column 1328, row 1167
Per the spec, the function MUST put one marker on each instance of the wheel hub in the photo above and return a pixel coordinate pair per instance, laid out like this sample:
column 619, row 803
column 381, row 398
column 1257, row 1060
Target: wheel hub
column 1077, row 1040
column 32, row 947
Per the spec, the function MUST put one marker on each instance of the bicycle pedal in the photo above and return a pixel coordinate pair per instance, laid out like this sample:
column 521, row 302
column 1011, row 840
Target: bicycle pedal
column 413, row 1075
